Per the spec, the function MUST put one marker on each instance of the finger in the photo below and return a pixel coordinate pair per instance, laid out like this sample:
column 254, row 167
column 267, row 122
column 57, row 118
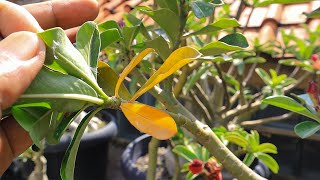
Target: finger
column 21, row 57
column 14, row 18
column 71, row 33
column 14, row 140
column 62, row 13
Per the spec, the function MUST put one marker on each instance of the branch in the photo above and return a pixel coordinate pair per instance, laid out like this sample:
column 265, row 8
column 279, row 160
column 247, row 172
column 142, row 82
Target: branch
column 181, row 81
column 299, row 81
column 208, row 118
column 267, row 120
column 153, row 156
column 224, row 85
column 241, row 109
column 252, row 68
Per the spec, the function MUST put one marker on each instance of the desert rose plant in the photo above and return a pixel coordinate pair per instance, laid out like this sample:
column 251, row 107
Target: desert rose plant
column 186, row 50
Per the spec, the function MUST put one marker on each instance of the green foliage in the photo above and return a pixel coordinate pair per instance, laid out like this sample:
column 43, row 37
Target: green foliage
column 201, row 9
column 303, row 129
column 88, row 43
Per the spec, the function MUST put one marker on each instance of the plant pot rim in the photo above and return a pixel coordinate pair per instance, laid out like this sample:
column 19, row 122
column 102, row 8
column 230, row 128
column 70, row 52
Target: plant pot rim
column 89, row 139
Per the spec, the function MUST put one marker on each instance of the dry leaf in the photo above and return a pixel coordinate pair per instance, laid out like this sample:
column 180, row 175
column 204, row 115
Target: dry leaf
column 174, row 62
column 150, row 120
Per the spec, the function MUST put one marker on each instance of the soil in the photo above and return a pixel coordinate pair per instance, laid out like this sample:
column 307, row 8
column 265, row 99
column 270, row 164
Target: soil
column 161, row 173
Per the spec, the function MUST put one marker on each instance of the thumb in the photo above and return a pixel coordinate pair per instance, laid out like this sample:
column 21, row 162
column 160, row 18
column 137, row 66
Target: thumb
column 21, row 57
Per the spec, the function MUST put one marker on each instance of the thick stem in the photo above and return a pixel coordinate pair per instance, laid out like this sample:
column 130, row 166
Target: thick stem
column 153, row 156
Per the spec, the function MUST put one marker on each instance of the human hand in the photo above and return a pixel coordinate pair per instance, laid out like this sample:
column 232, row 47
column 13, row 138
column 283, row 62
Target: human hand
column 22, row 55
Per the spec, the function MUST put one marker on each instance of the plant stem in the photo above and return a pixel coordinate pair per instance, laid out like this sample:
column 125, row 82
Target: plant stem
column 153, row 156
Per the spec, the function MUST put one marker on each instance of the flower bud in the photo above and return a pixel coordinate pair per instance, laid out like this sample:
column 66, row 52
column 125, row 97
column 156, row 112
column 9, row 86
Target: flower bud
column 213, row 170
column 313, row 92
column 314, row 57
column 196, row 166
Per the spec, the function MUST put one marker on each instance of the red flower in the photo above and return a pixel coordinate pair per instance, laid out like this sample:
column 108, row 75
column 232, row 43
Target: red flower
column 213, row 170
column 196, row 166
column 313, row 92
column 314, row 57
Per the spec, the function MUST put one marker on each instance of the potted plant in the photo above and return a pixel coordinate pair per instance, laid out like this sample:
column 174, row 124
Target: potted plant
column 178, row 51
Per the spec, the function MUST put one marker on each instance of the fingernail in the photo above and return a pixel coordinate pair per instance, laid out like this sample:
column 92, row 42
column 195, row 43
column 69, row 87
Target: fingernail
column 21, row 45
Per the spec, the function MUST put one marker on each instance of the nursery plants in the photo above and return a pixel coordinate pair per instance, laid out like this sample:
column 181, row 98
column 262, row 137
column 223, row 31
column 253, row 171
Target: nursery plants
column 181, row 60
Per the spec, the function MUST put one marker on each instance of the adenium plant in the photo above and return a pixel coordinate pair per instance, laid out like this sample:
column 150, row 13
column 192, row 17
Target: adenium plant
column 177, row 52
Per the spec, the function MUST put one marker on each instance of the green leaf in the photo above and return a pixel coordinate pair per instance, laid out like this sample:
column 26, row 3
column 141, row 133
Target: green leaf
column 169, row 4
column 306, row 129
column 269, row 161
column 235, row 39
column 166, row 19
column 68, row 162
column 160, row 46
column 28, row 114
column 268, row 2
column 185, row 152
column 255, row 60
column 267, row 148
column 264, row 76
column 134, row 21
column 201, row 9
column 248, row 159
column 109, row 37
column 236, row 138
column 205, row 154
column 60, row 51
column 56, row 118
column 109, row 25
column 314, row 14
column 64, row 93
column 232, row 42
column 217, row 26
column 191, row 176
column 88, row 43
column 129, row 33
column 66, row 121
column 240, row 66
column 290, row 104
column 107, row 80
column 35, row 120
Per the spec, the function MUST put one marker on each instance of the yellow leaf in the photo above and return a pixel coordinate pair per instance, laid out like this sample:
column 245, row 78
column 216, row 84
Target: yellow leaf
column 150, row 120
column 175, row 61
column 107, row 79
column 133, row 63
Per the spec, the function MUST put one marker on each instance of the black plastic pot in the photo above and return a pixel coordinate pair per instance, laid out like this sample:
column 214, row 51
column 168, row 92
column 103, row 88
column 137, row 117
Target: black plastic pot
column 92, row 157
column 136, row 149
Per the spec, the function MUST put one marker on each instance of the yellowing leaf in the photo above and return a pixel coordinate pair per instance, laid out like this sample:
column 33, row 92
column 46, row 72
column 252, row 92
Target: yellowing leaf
column 107, row 79
column 133, row 63
column 175, row 61
column 150, row 120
